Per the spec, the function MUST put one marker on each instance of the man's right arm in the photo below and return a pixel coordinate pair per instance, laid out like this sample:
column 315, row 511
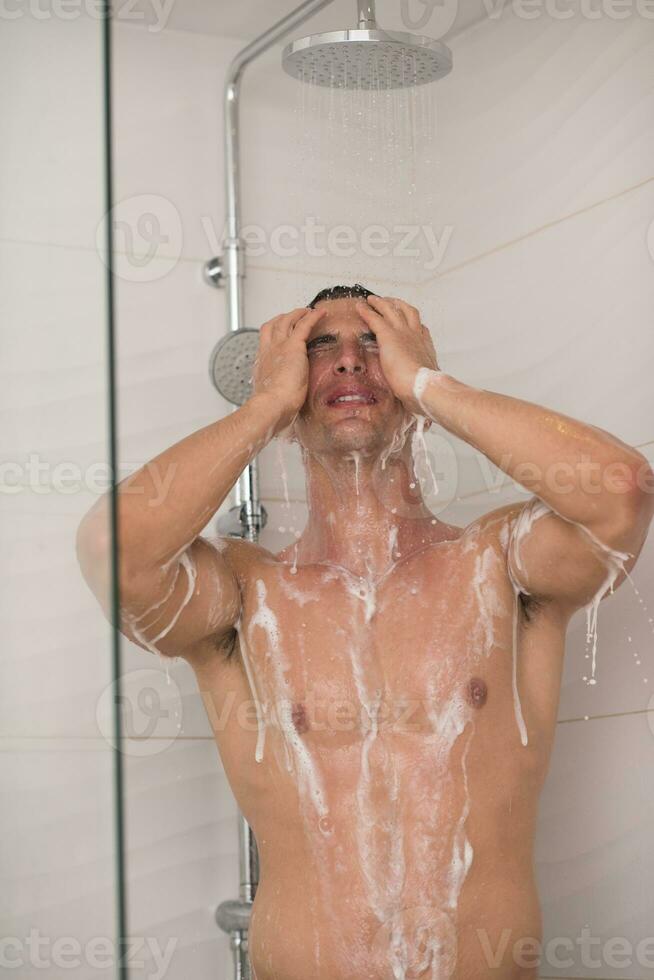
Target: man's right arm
column 177, row 588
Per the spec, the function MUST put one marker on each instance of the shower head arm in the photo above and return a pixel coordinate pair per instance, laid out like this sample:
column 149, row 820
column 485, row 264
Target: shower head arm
column 275, row 33
column 366, row 18
column 231, row 101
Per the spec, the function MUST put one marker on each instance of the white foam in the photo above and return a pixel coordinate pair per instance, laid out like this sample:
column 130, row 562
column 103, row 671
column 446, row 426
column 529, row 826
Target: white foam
column 422, row 379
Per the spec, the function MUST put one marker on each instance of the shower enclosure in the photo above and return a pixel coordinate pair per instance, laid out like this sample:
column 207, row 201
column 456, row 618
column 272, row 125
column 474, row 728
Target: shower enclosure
column 118, row 822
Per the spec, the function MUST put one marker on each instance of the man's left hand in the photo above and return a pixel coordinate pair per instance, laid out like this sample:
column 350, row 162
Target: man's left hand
column 405, row 345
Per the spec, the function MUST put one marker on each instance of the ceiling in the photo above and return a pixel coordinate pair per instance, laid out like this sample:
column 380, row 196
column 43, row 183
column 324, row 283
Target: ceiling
column 247, row 18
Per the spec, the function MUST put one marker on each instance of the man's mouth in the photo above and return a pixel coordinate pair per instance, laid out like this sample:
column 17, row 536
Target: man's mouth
column 351, row 396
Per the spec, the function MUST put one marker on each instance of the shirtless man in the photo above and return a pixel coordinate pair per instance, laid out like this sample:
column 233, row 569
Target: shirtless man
column 405, row 672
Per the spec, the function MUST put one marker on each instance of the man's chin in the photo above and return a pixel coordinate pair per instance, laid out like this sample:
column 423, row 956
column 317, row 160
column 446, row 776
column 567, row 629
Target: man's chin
column 354, row 435
column 349, row 431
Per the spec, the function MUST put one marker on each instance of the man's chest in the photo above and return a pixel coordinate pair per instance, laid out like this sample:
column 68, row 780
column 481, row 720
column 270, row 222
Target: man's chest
column 331, row 651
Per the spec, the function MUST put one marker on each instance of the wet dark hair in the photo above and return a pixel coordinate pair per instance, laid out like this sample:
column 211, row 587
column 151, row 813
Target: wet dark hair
column 357, row 291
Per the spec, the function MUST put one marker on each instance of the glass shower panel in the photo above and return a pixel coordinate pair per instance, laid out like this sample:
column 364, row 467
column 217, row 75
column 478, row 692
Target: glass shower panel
column 60, row 907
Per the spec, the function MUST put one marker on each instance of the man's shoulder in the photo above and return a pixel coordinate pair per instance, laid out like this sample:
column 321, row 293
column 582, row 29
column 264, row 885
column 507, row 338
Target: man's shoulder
column 491, row 527
column 243, row 557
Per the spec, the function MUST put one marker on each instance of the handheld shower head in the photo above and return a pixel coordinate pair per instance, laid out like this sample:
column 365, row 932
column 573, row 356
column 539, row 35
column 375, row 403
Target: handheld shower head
column 231, row 364
column 367, row 58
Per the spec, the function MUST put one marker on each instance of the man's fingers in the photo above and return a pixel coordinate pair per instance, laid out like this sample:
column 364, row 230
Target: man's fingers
column 387, row 307
column 303, row 327
column 290, row 319
column 372, row 318
column 287, row 324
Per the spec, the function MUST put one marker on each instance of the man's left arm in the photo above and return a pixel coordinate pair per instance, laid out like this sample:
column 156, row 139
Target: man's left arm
column 594, row 494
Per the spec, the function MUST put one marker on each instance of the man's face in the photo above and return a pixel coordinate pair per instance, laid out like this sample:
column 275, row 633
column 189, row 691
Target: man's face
column 349, row 405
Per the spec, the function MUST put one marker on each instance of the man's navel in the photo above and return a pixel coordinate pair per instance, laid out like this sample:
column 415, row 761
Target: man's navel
column 477, row 692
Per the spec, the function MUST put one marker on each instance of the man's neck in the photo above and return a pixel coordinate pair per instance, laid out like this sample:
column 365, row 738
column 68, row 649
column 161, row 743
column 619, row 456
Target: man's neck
column 364, row 512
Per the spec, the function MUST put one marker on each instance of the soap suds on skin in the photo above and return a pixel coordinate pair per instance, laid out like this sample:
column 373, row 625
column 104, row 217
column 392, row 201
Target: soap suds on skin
column 530, row 513
column 411, row 937
column 386, row 791
column 421, row 452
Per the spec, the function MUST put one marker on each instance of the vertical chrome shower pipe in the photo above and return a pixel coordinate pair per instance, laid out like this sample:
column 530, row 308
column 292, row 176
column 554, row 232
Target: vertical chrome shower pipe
column 247, row 487
column 233, row 916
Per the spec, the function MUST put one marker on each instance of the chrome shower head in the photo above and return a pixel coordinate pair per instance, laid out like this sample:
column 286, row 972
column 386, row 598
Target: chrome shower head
column 231, row 364
column 367, row 59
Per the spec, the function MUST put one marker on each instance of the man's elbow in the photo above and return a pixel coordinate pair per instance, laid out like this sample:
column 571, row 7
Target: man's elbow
column 640, row 492
column 629, row 521
column 93, row 547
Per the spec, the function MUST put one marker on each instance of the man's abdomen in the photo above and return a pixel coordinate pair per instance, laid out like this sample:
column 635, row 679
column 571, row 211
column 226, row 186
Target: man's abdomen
column 493, row 935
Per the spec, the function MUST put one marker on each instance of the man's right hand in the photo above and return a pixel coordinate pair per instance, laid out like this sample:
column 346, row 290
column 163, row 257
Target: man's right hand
column 281, row 367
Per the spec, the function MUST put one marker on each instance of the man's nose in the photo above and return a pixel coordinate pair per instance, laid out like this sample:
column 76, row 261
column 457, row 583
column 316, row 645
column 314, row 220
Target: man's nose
column 350, row 360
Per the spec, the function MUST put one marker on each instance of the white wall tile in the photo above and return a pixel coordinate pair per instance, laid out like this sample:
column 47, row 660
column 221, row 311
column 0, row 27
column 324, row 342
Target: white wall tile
column 57, row 651
column 58, row 854
column 169, row 148
column 183, row 853
column 51, row 126
column 536, row 321
column 540, row 118
column 594, row 855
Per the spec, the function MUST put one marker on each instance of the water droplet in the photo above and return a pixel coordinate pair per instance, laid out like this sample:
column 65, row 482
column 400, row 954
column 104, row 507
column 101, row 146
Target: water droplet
column 326, row 825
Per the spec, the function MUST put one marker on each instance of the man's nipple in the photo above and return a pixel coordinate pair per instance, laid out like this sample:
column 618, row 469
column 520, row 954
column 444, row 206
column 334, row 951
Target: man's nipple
column 477, row 692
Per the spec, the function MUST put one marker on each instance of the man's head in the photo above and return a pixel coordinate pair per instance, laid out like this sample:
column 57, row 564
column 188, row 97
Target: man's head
column 349, row 405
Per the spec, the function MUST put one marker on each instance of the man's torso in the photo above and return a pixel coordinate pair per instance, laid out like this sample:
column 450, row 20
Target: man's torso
column 384, row 776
